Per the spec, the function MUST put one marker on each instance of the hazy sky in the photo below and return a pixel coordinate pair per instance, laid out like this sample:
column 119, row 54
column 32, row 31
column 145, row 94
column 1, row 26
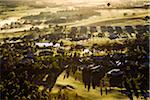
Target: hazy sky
column 76, row 1
column 93, row 1
column 81, row 1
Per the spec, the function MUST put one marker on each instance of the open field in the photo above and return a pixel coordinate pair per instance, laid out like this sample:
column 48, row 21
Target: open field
column 93, row 94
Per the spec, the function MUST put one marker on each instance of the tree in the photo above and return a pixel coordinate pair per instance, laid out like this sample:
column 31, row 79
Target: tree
column 108, row 4
column 23, row 70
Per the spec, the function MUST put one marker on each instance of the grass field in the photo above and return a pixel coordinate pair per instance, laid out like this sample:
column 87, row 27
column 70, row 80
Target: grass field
column 83, row 93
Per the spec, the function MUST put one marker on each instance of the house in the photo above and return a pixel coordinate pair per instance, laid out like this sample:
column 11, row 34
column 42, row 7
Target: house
column 57, row 45
column 45, row 53
column 141, row 29
column 110, row 29
column 103, row 29
column 147, row 28
column 93, row 29
column 74, row 30
column 79, row 47
column 83, row 29
column 129, row 29
column 115, row 76
column 44, row 44
column 113, row 36
column 118, row 30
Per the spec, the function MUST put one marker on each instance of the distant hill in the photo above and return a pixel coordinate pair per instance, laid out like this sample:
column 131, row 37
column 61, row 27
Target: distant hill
column 31, row 3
